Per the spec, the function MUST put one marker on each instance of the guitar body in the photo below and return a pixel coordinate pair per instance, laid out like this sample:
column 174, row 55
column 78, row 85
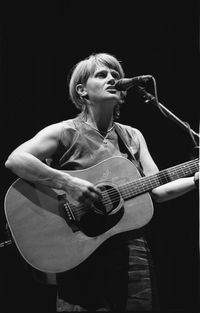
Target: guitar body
column 44, row 231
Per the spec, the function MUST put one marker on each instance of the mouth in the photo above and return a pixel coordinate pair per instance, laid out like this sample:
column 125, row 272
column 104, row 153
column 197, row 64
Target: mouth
column 111, row 89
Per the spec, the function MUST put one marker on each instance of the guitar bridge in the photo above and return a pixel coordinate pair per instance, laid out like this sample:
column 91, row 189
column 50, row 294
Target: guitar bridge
column 69, row 212
column 66, row 212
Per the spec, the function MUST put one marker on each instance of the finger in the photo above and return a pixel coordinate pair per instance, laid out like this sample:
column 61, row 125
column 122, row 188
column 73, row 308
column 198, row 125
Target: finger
column 87, row 196
column 95, row 190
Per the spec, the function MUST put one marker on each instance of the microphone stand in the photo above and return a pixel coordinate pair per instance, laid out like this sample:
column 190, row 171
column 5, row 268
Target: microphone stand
column 149, row 98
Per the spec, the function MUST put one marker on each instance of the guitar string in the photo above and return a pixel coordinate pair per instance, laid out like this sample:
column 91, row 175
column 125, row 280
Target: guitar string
column 150, row 180
column 127, row 192
column 127, row 185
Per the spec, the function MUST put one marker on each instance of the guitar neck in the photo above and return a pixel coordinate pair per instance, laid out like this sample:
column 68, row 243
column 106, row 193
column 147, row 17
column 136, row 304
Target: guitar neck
column 145, row 184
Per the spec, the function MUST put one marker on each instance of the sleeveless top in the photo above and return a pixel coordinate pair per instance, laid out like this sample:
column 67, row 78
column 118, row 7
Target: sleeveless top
column 82, row 146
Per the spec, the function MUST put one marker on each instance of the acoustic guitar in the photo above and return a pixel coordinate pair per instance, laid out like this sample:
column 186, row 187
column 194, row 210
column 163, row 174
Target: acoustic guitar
column 54, row 233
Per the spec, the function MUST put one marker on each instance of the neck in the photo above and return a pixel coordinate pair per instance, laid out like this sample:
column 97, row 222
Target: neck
column 100, row 120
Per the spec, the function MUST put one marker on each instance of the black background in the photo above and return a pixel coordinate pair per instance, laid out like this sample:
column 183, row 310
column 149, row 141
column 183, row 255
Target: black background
column 39, row 43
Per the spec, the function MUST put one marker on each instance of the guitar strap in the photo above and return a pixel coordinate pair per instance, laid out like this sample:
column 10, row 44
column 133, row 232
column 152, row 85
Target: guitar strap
column 130, row 153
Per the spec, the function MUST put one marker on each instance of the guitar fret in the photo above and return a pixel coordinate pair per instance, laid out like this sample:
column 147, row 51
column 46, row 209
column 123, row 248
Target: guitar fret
column 145, row 184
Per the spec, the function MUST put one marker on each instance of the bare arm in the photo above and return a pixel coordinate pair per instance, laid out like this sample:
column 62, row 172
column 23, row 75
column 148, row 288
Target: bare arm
column 167, row 191
column 27, row 162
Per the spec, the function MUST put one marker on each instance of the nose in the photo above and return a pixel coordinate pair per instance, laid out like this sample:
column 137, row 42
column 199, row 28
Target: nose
column 111, row 79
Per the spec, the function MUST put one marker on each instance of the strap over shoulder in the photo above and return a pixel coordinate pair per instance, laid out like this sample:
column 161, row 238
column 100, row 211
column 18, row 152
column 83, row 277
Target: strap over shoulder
column 120, row 132
column 122, row 136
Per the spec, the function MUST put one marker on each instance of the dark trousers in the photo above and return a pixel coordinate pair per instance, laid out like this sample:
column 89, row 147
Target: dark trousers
column 117, row 277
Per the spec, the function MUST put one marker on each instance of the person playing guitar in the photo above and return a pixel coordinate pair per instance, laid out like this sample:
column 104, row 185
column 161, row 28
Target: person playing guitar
column 84, row 196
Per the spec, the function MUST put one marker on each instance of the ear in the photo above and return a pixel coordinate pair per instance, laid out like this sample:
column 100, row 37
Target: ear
column 81, row 90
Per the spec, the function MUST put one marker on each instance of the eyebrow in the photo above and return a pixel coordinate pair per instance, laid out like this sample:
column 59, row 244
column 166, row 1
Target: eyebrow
column 106, row 70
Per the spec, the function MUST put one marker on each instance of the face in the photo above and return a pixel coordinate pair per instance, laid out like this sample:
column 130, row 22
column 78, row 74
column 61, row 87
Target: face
column 100, row 85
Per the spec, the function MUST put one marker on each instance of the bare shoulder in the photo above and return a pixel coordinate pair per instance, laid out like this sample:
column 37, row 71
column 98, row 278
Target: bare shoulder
column 140, row 137
column 52, row 130
column 56, row 129
column 137, row 132
column 44, row 142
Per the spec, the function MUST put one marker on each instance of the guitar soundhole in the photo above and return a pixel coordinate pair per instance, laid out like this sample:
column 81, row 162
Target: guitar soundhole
column 104, row 214
column 110, row 200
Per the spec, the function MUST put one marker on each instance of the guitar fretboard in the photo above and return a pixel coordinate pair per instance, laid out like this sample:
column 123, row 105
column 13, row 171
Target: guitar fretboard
column 145, row 184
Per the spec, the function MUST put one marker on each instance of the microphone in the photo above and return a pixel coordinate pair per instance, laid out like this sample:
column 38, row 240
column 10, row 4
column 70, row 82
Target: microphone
column 125, row 83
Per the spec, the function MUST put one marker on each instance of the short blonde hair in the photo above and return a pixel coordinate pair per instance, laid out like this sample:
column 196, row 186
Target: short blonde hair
column 84, row 69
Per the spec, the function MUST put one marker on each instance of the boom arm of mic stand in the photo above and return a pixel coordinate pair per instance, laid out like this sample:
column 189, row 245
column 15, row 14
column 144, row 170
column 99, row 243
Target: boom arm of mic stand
column 150, row 98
